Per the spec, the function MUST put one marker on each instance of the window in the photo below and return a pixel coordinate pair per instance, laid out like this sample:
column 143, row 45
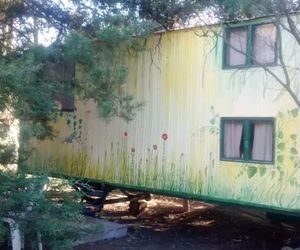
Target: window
column 250, row 45
column 249, row 139
column 238, row 42
column 65, row 73
column 65, row 102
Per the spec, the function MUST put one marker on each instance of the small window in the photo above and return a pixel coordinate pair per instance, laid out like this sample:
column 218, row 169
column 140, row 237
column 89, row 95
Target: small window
column 250, row 45
column 247, row 139
column 65, row 102
column 65, row 73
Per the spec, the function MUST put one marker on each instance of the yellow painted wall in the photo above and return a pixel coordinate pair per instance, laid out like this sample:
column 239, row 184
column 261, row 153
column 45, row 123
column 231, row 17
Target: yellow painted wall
column 185, row 90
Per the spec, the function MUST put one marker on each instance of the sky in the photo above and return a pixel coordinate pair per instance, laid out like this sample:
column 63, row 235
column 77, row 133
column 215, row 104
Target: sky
column 48, row 36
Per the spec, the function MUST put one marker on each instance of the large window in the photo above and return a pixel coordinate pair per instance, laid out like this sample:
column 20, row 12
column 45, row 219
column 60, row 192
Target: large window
column 250, row 45
column 247, row 139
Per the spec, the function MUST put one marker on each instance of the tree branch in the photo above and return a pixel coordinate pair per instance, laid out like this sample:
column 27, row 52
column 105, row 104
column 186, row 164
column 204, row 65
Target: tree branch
column 284, row 84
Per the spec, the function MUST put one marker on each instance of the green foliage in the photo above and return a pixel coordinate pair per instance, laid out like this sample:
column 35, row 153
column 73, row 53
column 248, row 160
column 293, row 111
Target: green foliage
column 7, row 154
column 28, row 87
column 79, row 48
column 231, row 10
column 103, row 72
column 167, row 12
column 23, row 199
column 239, row 10
column 25, row 91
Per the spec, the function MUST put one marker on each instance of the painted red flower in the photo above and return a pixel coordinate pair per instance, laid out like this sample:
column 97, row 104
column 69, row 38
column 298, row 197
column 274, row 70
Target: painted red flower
column 164, row 136
column 132, row 150
column 125, row 133
column 154, row 146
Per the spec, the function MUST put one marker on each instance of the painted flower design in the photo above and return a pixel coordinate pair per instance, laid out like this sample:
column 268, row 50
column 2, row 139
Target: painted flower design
column 154, row 146
column 164, row 136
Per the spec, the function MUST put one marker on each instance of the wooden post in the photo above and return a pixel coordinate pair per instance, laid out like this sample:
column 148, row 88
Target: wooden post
column 186, row 205
column 15, row 234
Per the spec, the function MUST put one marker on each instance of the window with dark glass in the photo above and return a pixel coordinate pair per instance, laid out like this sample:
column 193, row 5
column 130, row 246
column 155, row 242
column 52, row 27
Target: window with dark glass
column 250, row 45
column 65, row 73
column 247, row 139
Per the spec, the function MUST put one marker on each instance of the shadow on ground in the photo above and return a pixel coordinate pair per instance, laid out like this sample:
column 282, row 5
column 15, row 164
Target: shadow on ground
column 165, row 225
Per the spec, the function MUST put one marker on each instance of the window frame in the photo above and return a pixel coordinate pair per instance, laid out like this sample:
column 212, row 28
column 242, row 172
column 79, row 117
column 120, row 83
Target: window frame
column 64, row 72
column 250, row 27
column 246, row 125
column 67, row 102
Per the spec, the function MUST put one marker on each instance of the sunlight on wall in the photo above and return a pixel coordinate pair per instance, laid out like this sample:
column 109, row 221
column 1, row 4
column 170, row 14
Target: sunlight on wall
column 12, row 136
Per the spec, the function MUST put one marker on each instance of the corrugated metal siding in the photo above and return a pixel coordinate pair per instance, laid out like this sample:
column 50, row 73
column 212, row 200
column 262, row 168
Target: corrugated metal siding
column 185, row 91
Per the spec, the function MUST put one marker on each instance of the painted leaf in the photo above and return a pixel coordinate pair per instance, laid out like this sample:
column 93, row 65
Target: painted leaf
column 295, row 112
column 293, row 182
column 251, row 171
column 293, row 137
column 272, row 175
column 281, row 173
column 280, row 158
column 278, row 166
column 281, row 146
column 294, row 151
column 262, row 171
column 280, row 135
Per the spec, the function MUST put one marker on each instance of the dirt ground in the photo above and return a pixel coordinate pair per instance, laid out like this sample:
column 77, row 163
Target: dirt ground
column 165, row 225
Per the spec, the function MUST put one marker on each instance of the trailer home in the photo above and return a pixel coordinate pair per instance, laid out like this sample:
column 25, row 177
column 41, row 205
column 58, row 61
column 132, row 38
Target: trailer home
column 216, row 124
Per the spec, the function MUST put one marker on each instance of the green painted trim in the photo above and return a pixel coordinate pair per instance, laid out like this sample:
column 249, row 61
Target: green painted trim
column 204, row 198
column 248, row 162
column 250, row 40
column 274, row 138
column 222, row 125
column 224, row 53
column 246, row 141
column 260, row 20
column 250, row 45
column 199, row 197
